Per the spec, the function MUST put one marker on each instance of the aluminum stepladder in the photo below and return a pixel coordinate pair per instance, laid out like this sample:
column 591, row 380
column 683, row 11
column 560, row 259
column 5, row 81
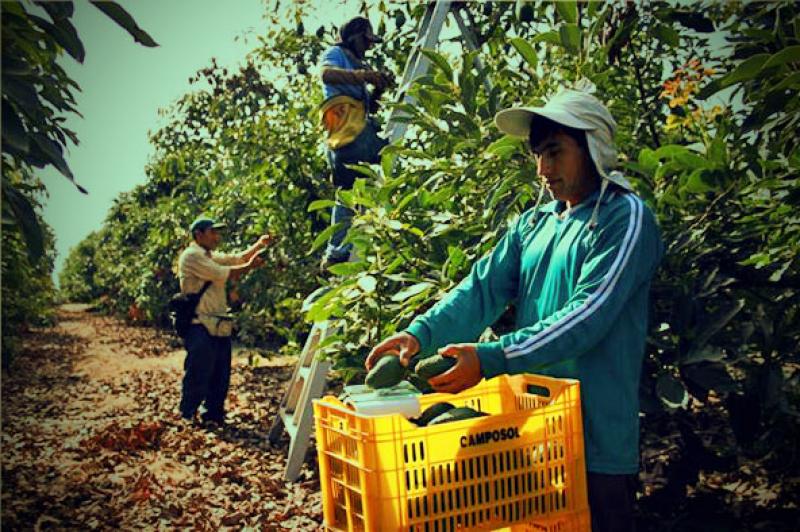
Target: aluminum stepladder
column 295, row 413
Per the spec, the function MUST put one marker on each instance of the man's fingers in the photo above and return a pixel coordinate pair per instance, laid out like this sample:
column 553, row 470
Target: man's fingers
column 386, row 347
column 450, row 387
column 405, row 356
column 450, row 351
column 443, row 379
column 374, row 355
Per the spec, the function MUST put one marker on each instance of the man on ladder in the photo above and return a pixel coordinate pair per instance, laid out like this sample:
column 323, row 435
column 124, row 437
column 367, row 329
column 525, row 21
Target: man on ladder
column 294, row 415
column 351, row 132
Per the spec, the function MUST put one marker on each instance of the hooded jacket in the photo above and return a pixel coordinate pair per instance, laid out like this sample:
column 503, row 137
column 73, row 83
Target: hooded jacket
column 581, row 297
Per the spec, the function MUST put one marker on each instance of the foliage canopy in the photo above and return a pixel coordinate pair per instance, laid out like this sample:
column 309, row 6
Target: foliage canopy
column 707, row 106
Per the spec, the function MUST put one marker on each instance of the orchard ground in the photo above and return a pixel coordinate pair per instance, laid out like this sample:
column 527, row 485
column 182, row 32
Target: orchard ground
column 91, row 440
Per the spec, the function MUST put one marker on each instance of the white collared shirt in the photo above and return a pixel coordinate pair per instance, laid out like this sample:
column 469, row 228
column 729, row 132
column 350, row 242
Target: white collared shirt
column 196, row 266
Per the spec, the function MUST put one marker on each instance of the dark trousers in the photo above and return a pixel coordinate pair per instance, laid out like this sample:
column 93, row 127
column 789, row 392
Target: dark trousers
column 611, row 502
column 207, row 374
column 365, row 148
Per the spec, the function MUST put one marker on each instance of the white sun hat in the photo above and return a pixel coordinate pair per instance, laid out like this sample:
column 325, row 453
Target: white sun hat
column 577, row 108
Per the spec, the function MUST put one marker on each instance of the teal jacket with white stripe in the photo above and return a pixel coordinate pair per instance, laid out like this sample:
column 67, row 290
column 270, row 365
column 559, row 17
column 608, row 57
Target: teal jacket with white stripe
column 581, row 299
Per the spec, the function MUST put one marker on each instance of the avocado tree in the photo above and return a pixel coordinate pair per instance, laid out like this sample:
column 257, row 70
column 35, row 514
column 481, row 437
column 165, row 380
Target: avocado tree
column 706, row 102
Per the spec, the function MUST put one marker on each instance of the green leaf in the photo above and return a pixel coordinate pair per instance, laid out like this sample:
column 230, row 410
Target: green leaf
column 64, row 34
column 455, row 259
column 405, row 200
column 718, row 152
column 504, row 146
column 53, row 151
column 324, row 236
column 23, row 94
column 346, row 269
column 116, row 13
column 525, row 50
column 696, row 182
column 347, row 198
column 58, row 11
column 13, row 130
column 790, row 54
column 396, row 263
column 648, row 160
column 570, row 38
column 364, row 169
column 691, row 160
column 411, row 291
column 791, row 81
column 746, row 70
column 467, row 84
column 320, row 204
column 667, row 34
column 708, row 353
column 717, row 321
column 387, row 163
column 671, row 390
column 710, row 376
column 502, row 188
column 315, row 296
column 367, row 283
column 669, row 151
column 330, row 340
column 25, row 218
column 440, row 61
column 568, row 10
column 396, row 225
column 549, row 36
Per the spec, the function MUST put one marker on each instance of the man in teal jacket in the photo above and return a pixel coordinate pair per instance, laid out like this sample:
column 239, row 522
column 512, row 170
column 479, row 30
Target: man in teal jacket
column 578, row 270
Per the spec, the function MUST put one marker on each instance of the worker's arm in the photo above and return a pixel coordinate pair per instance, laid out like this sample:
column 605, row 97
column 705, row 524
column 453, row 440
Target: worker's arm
column 238, row 271
column 342, row 76
column 260, row 244
column 210, row 269
column 465, row 312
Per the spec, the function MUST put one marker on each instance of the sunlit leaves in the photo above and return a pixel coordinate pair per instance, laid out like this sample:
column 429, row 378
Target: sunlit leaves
column 526, row 51
column 570, row 38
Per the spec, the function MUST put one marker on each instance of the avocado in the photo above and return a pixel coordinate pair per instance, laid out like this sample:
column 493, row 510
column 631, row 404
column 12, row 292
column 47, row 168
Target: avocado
column 456, row 414
column 435, row 365
column 386, row 373
column 432, row 412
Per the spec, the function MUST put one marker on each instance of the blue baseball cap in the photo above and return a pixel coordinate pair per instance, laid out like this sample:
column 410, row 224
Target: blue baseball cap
column 202, row 223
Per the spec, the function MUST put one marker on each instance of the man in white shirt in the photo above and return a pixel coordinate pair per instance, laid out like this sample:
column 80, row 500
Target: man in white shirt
column 207, row 369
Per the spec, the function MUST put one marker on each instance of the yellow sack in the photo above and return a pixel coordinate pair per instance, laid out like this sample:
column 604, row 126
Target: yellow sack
column 343, row 118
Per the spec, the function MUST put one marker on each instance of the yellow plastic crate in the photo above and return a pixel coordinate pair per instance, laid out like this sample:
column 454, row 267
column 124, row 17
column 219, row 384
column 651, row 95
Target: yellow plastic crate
column 521, row 467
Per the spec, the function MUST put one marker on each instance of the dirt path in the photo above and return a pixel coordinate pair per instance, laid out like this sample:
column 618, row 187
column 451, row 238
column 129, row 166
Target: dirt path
column 91, row 438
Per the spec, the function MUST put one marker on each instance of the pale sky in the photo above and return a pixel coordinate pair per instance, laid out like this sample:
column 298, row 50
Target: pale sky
column 123, row 86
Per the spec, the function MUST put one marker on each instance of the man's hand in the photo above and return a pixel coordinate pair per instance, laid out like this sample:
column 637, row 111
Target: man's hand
column 265, row 240
column 388, row 79
column 256, row 261
column 374, row 104
column 253, row 262
column 380, row 79
column 402, row 344
column 465, row 374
